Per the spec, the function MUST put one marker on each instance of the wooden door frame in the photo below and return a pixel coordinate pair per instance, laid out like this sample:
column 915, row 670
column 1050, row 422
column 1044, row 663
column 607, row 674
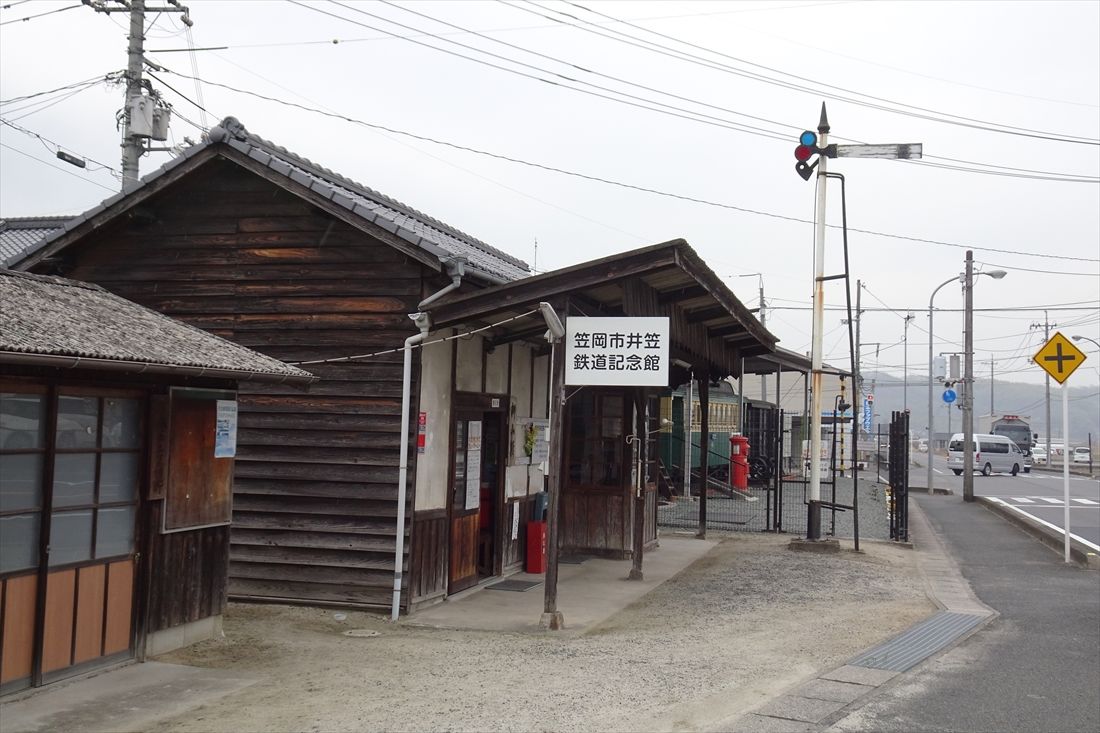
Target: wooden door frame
column 468, row 405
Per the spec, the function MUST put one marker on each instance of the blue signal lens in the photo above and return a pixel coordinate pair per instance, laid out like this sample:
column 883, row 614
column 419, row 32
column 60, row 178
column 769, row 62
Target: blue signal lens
column 808, row 138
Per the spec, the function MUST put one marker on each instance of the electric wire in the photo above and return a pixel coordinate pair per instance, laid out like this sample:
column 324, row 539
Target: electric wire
column 40, row 15
column 56, row 167
column 664, row 109
column 421, row 345
column 920, row 112
column 643, row 102
column 46, row 142
column 620, row 184
column 1044, row 272
column 85, row 82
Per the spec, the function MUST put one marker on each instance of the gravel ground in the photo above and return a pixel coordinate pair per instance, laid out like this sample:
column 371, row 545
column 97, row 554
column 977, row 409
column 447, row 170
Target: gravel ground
column 744, row 623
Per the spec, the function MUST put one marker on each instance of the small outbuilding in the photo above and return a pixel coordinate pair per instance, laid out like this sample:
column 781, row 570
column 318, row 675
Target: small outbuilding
column 117, row 444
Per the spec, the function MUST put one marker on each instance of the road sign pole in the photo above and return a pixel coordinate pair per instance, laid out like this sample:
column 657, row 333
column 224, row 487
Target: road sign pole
column 1065, row 461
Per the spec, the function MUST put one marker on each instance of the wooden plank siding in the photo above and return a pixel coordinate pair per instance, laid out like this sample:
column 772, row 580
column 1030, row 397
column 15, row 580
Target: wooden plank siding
column 314, row 492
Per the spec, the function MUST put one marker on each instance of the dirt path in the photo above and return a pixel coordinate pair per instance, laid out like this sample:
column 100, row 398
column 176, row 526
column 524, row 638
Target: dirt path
column 736, row 628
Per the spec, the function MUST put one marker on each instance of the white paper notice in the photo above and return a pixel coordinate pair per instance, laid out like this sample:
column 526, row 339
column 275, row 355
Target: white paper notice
column 515, row 521
column 225, row 429
column 473, row 465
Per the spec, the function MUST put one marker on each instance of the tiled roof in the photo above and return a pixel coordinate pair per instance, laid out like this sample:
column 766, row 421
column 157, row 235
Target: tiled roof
column 52, row 316
column 419, row 229
column 18, row 233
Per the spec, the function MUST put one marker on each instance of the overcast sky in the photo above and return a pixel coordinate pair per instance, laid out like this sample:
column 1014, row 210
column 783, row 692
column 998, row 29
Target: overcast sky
column 737, row 82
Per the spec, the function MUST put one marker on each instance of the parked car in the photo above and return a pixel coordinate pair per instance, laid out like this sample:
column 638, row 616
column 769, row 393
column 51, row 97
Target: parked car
column 922, row 445
column 1039, row 455
column 1081, row 454
column 991, row 453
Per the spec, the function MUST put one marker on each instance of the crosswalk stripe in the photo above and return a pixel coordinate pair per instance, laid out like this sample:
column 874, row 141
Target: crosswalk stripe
column 1023, row 500
column 1090, row 502
column 1048, row 500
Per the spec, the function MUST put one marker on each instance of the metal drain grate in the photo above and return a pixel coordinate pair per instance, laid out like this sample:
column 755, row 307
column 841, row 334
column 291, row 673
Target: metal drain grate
column 919, row 642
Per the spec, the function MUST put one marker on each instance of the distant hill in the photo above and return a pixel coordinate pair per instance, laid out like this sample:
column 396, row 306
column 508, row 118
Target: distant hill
column 1012, row 398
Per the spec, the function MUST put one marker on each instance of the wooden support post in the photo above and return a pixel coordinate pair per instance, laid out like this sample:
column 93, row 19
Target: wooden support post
column 551, row 617
column 704, row 450
column 641, row 443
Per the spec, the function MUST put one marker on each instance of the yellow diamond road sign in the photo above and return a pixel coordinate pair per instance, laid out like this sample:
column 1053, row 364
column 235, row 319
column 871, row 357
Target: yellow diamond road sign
column 1059, row 357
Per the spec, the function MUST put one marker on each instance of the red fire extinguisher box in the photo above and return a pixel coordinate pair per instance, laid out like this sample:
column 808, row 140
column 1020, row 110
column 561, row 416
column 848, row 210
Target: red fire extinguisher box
column 536, row 547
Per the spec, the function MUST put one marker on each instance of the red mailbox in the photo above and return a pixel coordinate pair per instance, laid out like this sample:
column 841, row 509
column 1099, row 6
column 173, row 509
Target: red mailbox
column 536, row 547
column 739, row 462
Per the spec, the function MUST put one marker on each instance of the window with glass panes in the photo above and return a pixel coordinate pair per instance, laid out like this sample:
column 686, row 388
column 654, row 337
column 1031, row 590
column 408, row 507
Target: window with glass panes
column 597, row 439
column 96, row 461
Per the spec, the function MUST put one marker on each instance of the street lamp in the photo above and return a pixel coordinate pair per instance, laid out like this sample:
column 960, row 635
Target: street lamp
column 961, row 278
column 1085, row 338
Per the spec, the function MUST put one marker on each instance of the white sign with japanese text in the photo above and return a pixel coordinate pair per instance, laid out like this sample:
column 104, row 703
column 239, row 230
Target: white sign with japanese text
column 629, row 352
column 225, row 429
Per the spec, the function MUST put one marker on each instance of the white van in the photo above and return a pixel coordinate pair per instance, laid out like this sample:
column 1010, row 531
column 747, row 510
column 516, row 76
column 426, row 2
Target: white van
column 991, row 453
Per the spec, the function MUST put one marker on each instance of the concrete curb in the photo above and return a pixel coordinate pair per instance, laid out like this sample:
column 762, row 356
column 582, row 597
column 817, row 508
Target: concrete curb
column 818, row 703
column 1081, row 554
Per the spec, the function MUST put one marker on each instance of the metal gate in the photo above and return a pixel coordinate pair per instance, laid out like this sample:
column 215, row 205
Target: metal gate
column 898, row 507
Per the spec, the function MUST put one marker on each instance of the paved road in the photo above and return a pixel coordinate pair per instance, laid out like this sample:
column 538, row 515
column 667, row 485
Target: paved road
column 1038, row 494
column 1034, row 668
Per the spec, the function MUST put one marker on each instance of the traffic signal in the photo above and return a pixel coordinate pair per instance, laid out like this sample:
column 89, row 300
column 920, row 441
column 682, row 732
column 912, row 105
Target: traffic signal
column 807, row 148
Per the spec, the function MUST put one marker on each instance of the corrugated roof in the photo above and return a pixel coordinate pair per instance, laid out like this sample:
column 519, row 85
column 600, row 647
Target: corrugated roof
column 19, row 233
column 52, row 316
column 425, row 232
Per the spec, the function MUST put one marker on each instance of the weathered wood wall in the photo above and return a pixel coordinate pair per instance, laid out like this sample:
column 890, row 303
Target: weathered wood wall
column 314, row 498
column 428, row 556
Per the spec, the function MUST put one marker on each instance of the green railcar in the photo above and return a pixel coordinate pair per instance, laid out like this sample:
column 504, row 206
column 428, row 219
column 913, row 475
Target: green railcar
column 723, row 421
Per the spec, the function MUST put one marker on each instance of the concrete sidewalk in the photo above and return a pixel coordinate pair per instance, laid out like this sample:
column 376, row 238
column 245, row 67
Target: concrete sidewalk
column 588, row 592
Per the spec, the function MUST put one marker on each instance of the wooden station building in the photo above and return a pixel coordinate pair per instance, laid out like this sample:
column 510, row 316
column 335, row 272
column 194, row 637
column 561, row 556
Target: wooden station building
column 114, row 502
column 240, row 237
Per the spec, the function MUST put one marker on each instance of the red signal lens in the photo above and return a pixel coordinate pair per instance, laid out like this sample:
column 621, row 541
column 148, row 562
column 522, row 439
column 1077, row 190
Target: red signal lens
column 803, row 153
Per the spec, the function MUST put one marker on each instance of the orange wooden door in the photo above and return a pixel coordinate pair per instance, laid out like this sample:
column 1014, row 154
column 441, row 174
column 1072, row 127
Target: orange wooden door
column 465, row 503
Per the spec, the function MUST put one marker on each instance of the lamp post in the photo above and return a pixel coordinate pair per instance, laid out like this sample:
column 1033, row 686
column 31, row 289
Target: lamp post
column 968, row 374
column 961, row 278
column 1094, row 342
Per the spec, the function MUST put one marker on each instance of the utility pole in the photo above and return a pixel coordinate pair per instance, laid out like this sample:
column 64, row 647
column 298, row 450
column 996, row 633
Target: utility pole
column 1045, row 325
column 143, row 116
column 968, row 380
column 905, row 365
column 763, row 377
column 857, row 378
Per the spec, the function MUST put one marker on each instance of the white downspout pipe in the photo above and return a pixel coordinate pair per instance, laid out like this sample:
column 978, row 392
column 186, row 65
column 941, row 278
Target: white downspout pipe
column 423, row 322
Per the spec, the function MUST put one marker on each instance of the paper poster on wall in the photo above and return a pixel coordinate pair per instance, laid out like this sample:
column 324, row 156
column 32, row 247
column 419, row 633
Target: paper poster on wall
column 473, row 465
column 537, row 439
column 515, row 521
column 225, row 429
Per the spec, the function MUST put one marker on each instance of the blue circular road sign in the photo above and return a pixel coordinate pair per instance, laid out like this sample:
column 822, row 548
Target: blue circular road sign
column 949, row 396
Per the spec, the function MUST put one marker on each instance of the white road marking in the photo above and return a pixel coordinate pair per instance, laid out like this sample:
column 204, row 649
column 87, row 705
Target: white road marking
column 1022, row 500
column 1090, row 502
column 937, row 470
column 1055, row 527
column 1049, row 500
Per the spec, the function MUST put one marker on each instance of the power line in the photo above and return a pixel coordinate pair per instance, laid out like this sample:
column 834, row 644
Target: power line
column 664, row 109
column 56, row 167
column 620, row 184
column 85, row 82
column 1045, row 272
column 921, row 112
column 46, row 142
column 32, row 17
column 643, row 102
